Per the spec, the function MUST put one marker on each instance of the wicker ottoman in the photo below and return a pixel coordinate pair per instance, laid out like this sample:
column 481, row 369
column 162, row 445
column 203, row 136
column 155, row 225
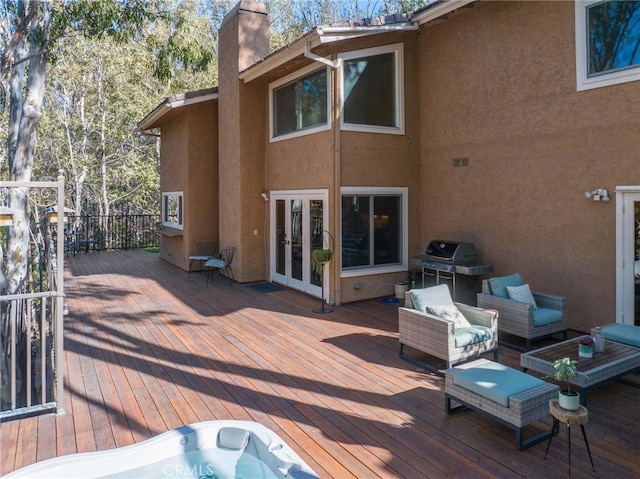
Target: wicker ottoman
column 523, row 408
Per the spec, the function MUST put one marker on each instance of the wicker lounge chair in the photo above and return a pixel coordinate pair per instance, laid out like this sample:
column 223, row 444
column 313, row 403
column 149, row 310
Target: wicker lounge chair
column 436, row 335
column 522, row 319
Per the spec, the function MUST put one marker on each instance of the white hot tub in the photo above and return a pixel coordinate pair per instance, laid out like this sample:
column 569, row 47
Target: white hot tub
column 205, row 450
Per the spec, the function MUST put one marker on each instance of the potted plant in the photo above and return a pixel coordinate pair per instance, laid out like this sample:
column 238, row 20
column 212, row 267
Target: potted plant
column 565, row 370
column 585, row 347
column 320, row 257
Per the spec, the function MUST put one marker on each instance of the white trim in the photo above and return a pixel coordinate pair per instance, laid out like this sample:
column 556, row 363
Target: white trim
column 170, row 104
column 625, row 252
column 290, row 79
column 398, row 50
column 180, row 195
column 305, row 285
column 320, row 35
column 402, row 191
column 583, row 81
column 440, row 10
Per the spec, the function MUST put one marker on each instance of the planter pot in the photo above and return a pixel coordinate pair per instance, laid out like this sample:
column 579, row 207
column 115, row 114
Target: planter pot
column 585, row 351
column 400, row 289
column 569, row 400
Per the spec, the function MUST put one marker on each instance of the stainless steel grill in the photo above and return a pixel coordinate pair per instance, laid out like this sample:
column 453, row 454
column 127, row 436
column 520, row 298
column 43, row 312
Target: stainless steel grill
column 452, row 262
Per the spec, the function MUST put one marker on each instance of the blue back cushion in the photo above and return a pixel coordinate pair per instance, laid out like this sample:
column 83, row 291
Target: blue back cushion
column 499, row 284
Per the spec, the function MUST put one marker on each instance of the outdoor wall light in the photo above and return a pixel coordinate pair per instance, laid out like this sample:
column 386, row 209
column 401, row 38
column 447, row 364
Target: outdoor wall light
column 6, row 216
column 599, row 194
column 265, row 195
column 52, row 213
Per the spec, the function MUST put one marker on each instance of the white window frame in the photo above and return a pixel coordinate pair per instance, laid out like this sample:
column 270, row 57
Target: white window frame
column 403, row 192
column 398, row 49
column 165, row 197
column 583, row 81
column 289, row 79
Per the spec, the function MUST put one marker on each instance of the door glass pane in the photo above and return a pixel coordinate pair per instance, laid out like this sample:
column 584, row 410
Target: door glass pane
column 316, row 228
column 281, row 237
column 296, row 239
column 636, row 270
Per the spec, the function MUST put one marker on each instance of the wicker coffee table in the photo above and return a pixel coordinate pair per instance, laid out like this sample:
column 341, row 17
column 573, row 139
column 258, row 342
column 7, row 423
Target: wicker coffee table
column 616, row 361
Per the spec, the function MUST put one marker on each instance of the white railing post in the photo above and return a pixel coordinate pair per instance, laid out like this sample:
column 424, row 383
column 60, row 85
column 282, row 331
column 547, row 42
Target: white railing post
column 59, row 309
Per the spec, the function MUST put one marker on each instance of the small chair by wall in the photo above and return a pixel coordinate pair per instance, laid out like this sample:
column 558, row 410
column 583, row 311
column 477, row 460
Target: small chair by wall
column 206, row 250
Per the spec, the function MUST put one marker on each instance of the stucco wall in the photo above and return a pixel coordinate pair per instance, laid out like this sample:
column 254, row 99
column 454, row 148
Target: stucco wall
column 498, row 86
column 360, row 159
column 174, row 176
column 189, row 163
column 244, row 39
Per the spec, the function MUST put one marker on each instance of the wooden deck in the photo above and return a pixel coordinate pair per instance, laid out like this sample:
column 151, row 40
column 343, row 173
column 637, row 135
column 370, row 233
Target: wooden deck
column 149, row 348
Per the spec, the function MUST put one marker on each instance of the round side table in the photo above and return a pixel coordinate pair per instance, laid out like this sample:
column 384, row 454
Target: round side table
column 579, row 416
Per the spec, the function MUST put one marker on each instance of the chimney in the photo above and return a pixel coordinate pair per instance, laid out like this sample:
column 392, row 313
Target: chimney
column 243, row 41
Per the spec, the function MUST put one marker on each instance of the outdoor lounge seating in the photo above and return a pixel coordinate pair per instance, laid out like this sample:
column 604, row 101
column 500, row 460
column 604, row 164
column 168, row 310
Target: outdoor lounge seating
column 507, row 395
column 451, row 331
column 530, row 316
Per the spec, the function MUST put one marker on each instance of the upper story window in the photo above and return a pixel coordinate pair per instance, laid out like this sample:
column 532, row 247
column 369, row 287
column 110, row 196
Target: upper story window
column 607, row 42
column 372, row 90
column 299, row 103
column 172, row 205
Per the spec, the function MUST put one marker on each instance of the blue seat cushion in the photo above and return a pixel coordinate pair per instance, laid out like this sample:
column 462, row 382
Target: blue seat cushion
column 622, row 333
column 500, row 283
column 495, row 381
column 472, row 335
column 216, row 263
column 544, row 316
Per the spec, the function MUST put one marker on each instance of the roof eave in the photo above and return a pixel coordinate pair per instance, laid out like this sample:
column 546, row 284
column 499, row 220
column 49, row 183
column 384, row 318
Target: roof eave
column 439, row 9
column 155, row 118
column 318, row 36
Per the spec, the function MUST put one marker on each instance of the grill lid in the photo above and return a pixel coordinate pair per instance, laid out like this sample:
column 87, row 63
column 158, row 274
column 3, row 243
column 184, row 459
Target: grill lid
column 450, row 251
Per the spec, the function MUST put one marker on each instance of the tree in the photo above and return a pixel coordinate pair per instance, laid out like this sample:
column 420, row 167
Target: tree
column 33, row 36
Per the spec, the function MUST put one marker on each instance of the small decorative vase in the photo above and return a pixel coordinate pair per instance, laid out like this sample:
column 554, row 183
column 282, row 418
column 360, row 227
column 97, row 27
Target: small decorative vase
column 585, row 351
column 569, row 400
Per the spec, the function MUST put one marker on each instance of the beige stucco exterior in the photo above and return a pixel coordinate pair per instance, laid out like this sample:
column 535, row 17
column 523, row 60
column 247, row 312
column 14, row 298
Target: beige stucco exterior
column 493, row 83
column 498, row 86
column 189, row 163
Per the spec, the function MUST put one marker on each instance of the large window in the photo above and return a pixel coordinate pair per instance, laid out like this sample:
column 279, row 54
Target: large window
column 299, row 103
column 172, row 209
column 372, row 90
column 607, row 42
column 373, row 229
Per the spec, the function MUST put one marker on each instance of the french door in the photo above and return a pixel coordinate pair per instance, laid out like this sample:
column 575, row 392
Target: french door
column 298, row 220
column 628, row 254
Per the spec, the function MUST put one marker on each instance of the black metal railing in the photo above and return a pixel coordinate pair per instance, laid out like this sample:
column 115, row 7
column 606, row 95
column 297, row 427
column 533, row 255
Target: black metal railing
column 114, row 232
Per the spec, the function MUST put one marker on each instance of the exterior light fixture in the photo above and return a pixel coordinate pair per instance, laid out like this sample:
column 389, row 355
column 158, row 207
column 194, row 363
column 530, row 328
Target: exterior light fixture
column 52, row 213
column 265, row 195
column 599, row 194
column 6, row 216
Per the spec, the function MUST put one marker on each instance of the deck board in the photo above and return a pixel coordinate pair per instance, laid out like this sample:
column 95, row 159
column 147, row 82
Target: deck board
column 149, row 348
